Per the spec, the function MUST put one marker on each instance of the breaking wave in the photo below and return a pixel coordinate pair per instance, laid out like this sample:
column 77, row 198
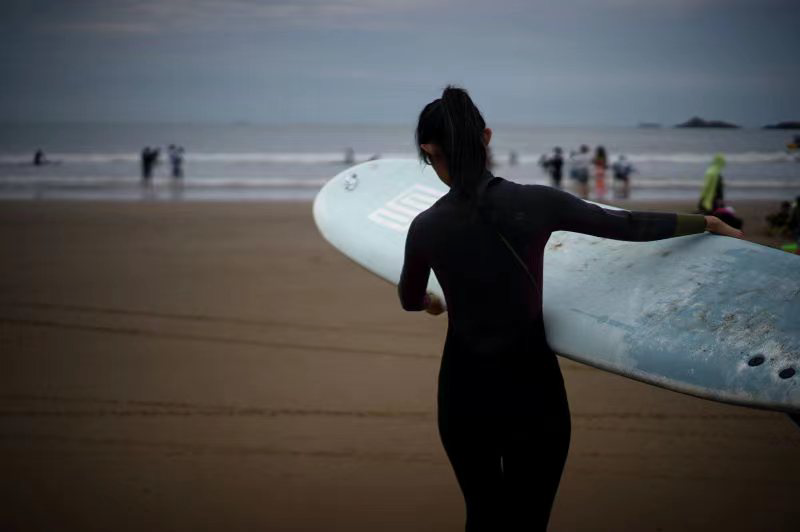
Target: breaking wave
column 317, row 158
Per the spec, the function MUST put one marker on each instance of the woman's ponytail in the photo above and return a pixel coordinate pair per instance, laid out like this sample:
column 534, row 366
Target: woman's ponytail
column 466, row 153
column 455, row 125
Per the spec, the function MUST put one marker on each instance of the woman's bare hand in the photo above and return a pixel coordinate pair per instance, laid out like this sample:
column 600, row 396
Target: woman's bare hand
column 715, row 225
column 433, row 304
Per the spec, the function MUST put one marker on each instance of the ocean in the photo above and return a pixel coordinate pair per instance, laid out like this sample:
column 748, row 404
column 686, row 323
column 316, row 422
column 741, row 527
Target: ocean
column 267, row 162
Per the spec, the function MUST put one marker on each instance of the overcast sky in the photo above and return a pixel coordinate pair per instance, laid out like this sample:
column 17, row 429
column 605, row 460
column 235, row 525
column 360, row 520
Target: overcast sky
column 570, row 62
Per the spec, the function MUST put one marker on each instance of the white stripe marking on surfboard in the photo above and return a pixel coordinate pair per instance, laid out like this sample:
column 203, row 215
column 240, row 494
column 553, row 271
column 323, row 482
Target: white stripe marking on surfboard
column 399, row 211
column 402, row 218
column 378, row 215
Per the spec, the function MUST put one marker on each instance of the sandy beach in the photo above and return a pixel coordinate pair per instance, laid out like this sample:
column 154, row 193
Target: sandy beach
column 219, row 366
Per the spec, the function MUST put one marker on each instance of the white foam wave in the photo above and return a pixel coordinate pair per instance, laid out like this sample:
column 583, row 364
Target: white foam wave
column 115, row 182
column 228, row 158
column 316, row 158
column 705, row 158
column 749, row 157
column 729, row 183
column 314, row 183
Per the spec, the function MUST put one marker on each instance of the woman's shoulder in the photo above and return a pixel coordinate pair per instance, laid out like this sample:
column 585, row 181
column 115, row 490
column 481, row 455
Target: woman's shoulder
column 523, row 190
column 537, row 201
column 427, row 217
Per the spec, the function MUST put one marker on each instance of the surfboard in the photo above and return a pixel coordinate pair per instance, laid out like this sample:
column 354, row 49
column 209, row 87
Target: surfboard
column 706, row 315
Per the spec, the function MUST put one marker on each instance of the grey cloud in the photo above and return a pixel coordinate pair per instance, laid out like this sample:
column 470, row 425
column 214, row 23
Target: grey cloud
column 577, row 61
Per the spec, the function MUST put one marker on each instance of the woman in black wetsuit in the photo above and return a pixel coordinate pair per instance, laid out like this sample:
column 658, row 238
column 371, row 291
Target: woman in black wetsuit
column 502, row 408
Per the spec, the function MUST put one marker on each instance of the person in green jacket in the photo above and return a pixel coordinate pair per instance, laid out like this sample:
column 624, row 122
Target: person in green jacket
column 711, row 198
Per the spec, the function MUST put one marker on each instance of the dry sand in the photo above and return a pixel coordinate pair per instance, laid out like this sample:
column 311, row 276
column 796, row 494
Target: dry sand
column 219, row 366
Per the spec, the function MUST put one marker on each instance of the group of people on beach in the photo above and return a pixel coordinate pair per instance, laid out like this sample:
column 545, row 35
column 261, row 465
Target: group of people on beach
column 150, row 158
column 581, row 163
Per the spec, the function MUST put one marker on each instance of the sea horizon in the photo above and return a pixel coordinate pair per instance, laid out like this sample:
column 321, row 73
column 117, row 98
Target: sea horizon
column 293, row 160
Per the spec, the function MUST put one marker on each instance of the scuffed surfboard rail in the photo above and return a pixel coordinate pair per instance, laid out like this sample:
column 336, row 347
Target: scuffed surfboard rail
column 705, row 315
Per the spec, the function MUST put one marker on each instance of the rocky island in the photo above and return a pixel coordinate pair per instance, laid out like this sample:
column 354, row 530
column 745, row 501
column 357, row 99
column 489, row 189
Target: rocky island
column 783, row 125
column 697, row 122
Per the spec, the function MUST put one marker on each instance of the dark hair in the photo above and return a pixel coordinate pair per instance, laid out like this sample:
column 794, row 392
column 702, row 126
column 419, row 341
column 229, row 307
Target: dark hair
column 455, row 125
column 601, row 152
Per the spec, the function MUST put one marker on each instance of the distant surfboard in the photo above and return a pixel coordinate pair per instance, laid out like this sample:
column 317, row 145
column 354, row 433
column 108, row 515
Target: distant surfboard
column 706, row 315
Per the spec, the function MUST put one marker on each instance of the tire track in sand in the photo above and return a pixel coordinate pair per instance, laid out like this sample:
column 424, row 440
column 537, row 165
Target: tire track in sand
column 142, row 332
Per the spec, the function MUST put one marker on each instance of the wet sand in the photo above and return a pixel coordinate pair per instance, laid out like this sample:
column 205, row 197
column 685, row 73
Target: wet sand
column 213, row 366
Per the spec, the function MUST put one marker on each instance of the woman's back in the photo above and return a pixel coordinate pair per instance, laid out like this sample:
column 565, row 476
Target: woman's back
column 486, row 289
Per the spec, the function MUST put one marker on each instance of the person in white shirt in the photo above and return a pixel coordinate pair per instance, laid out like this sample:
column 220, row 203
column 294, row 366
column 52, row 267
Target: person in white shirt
column 579, row 170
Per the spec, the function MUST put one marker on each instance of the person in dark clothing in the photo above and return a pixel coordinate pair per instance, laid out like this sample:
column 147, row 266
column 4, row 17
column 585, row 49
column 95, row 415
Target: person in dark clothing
column 149, row 160
column 503, row 414
column 145, row 161
column 778, row 222
column 39, row 158
column 555, row 166
column 793, row 222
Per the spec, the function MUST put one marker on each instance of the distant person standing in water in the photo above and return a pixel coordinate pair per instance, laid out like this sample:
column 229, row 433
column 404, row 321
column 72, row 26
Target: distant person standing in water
column 713, row 188
column 176, row 160
column 600, row 162
column 554, row 164
column 622, row 171
column 39, row 158
column 155, row 155
column 149, row 160
column 349, row 156
column 145, row 162
column 579, row 170
column 502, row 407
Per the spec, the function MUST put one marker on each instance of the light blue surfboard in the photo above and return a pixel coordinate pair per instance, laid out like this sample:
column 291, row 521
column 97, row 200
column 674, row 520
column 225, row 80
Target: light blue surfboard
column 706, row 315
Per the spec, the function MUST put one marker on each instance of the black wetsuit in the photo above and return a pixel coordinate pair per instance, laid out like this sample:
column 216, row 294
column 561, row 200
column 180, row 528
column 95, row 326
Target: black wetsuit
column 502, row 408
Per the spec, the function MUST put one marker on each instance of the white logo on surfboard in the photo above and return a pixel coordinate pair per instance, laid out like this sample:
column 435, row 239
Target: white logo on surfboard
column 399, row 211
